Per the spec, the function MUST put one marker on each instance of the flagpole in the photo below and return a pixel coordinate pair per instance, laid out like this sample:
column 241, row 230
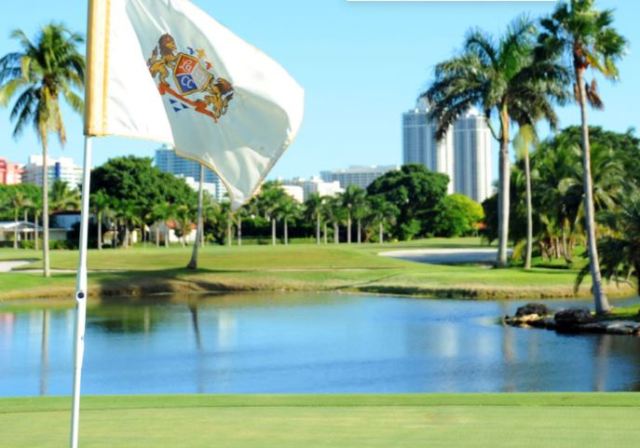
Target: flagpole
column 193, row 264
column 81, row 293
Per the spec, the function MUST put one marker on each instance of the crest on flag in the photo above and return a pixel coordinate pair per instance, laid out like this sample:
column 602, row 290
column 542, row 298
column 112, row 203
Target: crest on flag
column 188, row 77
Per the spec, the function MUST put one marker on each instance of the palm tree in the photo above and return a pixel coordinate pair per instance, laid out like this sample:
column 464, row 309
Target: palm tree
column 506, row 77
column 313, row 210
column 524, row 140
column 39, row 75
column 287, row 209
column 62, row 198
column 585, row 39
column 354, row 199
column 101, row 203
column 336, row 214
column 382, row 212
column 18, row 202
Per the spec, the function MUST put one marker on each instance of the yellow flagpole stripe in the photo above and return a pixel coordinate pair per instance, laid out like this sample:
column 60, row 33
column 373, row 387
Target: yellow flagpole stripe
column 97, row 81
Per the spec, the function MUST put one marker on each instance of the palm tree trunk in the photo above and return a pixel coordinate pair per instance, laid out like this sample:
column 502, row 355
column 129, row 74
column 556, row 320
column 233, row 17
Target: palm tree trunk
column 35, row 229
column 318, row 228
column 157, row 234
column 326, row 230
column 229, row 235
column 527, row 174
column 503, row 191
column 359, row 231
column 45, row 214
column 24, row 230
column 381, row 232
column 336, row 233
column 99, row 230
column 239, row 230
column 349, row 229
column 273, row 232
column 166, row 235
column 601, row 303
column 15, row 229
column 286, row 231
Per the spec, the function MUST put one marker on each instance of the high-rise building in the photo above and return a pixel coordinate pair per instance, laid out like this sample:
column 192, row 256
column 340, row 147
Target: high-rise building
column 62, row 169
column 464, row 154
column 10, row 173
column 168, row 161
column 421, row 146
column 472, row 156
column 362, row 176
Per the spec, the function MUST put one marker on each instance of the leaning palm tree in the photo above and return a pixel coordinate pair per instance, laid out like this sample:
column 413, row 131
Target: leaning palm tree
column 584, row 39
column 288, row 209
column 505, row 77
column 38, row 76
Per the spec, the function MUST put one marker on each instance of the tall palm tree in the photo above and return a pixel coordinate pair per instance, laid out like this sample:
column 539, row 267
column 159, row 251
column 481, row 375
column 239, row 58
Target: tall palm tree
column 584, row 38
column 42, row 73
column 524, row 140
column 313, row 210
column 506, row 77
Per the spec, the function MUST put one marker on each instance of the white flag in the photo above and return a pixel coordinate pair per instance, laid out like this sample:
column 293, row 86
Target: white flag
column 164, row 70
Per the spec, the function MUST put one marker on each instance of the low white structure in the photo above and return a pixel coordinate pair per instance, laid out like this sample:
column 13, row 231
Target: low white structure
column 315, row 185
column 26, row 231
column 295, row 191
column 168, row 230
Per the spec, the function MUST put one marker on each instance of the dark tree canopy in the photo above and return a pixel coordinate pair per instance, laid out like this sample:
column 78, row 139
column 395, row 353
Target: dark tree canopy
column 417, row 193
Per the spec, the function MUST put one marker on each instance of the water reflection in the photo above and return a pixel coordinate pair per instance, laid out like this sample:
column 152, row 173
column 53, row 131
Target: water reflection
column 302, row 343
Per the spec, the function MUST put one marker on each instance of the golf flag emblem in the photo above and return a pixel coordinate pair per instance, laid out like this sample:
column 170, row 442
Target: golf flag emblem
column 189, row 79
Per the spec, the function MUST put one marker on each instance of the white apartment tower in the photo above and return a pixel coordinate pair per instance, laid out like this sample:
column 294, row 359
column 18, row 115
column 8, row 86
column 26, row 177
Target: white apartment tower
column 472, row 156
column 464, row 154
column 421, row 146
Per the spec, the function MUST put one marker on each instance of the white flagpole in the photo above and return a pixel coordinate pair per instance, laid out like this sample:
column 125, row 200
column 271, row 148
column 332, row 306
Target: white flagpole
column 81, row 293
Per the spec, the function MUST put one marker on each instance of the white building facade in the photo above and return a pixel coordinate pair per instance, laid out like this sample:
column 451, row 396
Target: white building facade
column 315, row 185
column 464, row 154
column 62, row 169
column 361, row 176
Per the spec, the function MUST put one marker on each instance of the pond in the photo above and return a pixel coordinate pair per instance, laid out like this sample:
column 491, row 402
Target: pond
column 305, row 343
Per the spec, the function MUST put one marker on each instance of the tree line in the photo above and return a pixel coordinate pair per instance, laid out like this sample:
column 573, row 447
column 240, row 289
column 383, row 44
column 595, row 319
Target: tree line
column 130, row 195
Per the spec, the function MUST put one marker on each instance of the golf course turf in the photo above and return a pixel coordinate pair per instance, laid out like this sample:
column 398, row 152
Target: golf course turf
column 493, row 420
column 297, row 267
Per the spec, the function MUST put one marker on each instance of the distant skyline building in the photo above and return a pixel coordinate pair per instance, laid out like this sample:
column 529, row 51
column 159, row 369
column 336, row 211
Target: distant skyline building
column 315, row 185
column 168, row 161
column 361, row 176
column 464, row 154
column 472, row 156
column 10, row 173
column 63, row 169
column 420, row 146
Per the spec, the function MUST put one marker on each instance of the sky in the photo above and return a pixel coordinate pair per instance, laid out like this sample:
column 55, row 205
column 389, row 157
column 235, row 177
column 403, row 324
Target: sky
column 362, row 65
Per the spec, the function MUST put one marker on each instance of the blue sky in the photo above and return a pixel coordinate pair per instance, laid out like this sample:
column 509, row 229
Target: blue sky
column 361, row 64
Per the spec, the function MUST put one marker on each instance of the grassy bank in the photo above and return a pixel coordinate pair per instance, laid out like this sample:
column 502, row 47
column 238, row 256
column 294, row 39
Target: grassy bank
column 505, row 420
column 300, row 267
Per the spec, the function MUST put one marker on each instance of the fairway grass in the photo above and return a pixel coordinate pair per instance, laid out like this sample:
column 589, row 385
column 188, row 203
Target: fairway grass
column 299, row 267
column 342, row 421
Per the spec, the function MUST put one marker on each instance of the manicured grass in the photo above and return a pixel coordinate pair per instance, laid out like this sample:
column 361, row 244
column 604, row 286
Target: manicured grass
column 300, row 267
column 506, row 420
